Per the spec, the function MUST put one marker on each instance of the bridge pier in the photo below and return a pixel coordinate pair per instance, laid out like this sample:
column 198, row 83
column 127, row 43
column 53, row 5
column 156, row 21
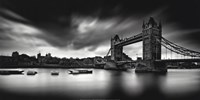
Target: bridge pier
column 150, row 66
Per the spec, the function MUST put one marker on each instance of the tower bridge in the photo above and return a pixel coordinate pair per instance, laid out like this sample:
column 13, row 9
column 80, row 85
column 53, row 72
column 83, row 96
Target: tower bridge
column 152, row 39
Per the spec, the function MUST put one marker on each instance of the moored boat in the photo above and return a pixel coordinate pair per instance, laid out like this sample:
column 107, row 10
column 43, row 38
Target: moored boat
column 9, row 72
column 54, row 73
column 80, row 71
column 31, row 72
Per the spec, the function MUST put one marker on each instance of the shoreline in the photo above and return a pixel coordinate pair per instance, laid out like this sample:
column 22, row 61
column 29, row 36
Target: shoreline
column 64, row 67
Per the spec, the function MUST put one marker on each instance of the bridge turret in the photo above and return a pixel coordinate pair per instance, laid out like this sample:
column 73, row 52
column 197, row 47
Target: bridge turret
column 151, row 24
column 116, row 38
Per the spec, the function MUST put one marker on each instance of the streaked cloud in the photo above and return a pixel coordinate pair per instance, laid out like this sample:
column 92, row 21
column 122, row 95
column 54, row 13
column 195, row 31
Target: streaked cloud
column 74, row 32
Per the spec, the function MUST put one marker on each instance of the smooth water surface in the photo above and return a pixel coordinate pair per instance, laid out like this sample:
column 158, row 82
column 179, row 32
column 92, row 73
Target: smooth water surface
column 101, row 84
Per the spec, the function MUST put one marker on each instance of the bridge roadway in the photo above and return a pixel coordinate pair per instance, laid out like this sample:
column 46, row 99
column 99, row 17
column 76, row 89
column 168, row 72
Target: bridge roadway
column 130, row 40
column 165, row 60
column 179, row 60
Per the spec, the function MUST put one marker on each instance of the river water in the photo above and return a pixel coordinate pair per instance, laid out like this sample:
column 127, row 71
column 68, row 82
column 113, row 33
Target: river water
column 101, row 85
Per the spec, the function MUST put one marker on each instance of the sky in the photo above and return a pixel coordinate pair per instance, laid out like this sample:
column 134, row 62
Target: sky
column 83, row 28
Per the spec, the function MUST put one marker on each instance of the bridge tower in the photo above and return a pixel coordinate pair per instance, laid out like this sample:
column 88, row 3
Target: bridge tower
column 151, row 35
column 116, row 51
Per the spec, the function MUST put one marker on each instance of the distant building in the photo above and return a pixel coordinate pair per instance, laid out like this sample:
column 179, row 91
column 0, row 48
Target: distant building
column 48, row 55
column 15, row 54
column 38, row 55
column 139, row 58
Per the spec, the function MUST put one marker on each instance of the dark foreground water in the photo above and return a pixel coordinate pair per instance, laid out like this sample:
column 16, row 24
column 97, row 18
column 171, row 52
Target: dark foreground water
column 102, row 84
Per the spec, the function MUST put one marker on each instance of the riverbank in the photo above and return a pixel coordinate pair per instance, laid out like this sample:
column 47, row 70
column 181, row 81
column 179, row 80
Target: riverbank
column 58, row 66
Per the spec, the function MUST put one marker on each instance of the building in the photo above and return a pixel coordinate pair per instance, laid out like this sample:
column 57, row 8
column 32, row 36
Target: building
column 15, row 54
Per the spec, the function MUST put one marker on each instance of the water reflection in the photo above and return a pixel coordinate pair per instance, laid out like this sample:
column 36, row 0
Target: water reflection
column 102, row 84
column 180, row 83
column 151, row 84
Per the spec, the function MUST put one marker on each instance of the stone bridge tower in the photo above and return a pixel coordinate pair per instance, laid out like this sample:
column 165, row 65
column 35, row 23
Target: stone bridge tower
column 151, row 37
column 116, row 51
column 152, row 33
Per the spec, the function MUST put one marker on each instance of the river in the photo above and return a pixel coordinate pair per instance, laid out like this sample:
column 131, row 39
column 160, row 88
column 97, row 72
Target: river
column 101, row 84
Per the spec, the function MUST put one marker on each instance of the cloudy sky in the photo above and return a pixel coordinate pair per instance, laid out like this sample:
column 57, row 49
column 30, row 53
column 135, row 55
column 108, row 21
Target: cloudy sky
column 83, row 28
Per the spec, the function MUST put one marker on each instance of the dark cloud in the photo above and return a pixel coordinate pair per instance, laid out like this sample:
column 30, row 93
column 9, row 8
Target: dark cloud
column 57, row 36
column 12, row 16
column 185, row 13
column 59, row 11
column 192, row 39
column 86, row 31
column 79, row 24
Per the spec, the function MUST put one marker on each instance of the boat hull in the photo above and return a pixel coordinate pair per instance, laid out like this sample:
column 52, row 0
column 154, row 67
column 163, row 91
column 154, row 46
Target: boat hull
column 80, row 72
column 9, row 72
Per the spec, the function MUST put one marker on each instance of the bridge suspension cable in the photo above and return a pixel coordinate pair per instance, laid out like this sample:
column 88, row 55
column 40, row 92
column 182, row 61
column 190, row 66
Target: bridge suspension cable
column 178, row 49
column 108, row 52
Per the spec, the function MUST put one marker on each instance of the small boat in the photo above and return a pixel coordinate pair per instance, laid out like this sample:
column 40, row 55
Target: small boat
column 9, row 72
column 54, row 73
column 80, row 71
column 31, row 72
